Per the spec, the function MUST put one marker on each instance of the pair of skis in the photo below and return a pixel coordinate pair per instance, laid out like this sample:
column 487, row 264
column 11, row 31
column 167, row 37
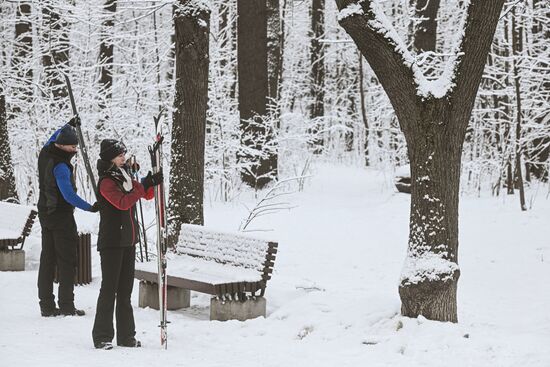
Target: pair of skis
column 155, row 151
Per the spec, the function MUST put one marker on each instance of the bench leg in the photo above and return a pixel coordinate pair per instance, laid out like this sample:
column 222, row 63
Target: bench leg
column 237, row 310
column 12, row 260
column 149, row 296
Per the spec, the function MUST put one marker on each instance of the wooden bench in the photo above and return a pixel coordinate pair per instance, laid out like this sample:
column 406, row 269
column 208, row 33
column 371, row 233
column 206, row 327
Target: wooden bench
column 16, row 222
column 403, row 179
column 233, row 268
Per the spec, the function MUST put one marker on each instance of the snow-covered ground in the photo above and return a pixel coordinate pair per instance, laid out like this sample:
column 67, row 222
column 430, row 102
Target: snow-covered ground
column 333, row 299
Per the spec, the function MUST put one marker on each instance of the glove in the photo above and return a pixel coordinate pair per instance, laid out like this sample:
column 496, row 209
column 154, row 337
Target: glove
column 74, row 121
column 95, row 207
column 152, row 180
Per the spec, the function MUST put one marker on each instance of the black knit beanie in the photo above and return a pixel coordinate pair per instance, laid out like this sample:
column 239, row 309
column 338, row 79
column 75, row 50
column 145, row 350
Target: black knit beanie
column 67, row 136
column 110, row 148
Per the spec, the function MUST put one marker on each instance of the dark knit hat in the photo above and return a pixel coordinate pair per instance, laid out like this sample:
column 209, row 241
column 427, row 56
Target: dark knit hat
column 110, row 148
column 67, row 136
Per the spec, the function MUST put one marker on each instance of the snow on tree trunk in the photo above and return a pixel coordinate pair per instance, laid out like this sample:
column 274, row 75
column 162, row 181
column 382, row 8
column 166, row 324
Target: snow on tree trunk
column 317, row 108
column 7, row 179
column 517, row 50
column 258, row 155
column 433, row 116
column 21, row 52
column 55, row 46
column 430, row 274
column 185, row 205
column 425, row 30
column 106, row 49
column 273, row 56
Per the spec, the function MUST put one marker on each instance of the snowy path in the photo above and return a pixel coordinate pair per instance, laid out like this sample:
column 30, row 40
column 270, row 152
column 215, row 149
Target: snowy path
column 333, row 299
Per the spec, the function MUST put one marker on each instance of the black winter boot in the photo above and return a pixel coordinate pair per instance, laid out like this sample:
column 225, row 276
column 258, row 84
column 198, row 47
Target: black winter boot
column 50, row 312
column 103, row 345
column 130, row 343
column 73, row 312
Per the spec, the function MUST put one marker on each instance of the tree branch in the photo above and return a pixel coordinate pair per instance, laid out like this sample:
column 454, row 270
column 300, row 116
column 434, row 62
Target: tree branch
column 481, row 20
column 385, row 52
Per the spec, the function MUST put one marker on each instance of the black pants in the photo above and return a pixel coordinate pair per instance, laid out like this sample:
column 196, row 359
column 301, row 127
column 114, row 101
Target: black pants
column 117, row 272
column 59, row 244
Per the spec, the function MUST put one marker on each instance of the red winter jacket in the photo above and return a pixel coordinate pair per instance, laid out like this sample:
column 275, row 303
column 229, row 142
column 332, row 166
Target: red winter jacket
column 118, row 226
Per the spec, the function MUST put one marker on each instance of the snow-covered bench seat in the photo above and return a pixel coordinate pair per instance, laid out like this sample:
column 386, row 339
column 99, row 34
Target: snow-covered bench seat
column 234, row 268
column 16, row 222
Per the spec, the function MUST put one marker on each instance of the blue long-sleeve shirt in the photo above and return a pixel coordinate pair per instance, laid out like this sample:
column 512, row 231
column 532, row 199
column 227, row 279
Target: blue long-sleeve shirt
column 62, row 175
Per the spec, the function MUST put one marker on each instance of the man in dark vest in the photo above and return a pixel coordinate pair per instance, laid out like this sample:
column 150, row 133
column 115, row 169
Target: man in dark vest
column 56, row 205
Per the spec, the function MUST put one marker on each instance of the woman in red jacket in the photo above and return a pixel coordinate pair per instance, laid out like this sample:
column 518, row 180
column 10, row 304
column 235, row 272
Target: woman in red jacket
column 118, row 234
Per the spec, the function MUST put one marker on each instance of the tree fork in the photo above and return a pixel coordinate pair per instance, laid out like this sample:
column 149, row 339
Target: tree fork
column 434, row 128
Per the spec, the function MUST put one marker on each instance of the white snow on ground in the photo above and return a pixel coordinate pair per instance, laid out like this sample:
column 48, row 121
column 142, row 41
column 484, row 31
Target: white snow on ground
column 333, row 299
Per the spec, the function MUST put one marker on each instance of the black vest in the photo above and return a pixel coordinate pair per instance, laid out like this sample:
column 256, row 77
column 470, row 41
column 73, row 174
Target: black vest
column 50, row 199
column 117, row 228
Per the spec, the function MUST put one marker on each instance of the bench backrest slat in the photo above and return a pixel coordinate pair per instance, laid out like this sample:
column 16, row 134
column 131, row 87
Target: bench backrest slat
column 226, row 248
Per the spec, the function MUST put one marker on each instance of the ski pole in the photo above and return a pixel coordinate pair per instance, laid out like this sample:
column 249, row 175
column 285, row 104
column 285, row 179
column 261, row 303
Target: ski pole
column 81, row 137
column 143, row 231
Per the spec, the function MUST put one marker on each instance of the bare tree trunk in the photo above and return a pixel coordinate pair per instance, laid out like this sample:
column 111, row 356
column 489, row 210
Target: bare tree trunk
column 106, row 58
column 507, row 114
column 509, row 177
column 425, row 31
column 540, row 153
column 517, row 48
column 364, row 108
column 260, row 163
column 172, row 51
column 22, row 51
column 317, row 108
column 189, row 120
column 55, row 45
column 273, row 59
column 434, row 129
column 7, row 178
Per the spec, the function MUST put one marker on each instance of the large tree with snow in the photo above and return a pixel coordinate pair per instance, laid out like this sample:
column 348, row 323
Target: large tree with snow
column 258, row 54
column 192, row 26
column 433, row 116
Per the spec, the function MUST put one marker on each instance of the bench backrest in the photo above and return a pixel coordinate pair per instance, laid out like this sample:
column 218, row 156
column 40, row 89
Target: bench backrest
column 227, row 248
column 16, row 222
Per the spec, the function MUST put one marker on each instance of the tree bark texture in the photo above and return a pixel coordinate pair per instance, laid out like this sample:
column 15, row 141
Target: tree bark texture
column 434, row 129
column 540, row 153
column 55, row 48
column 22, row 51
column 189, row 119
column 317, row 108
column 258, row 156
column 273, row 56
column 106, row 58
column 517, row 49
column 7, row 178
column 425, row 30
column 106, row 49
column 362, row 95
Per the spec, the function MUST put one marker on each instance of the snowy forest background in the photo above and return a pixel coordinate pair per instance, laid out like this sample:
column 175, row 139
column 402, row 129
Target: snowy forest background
column 508, row 134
